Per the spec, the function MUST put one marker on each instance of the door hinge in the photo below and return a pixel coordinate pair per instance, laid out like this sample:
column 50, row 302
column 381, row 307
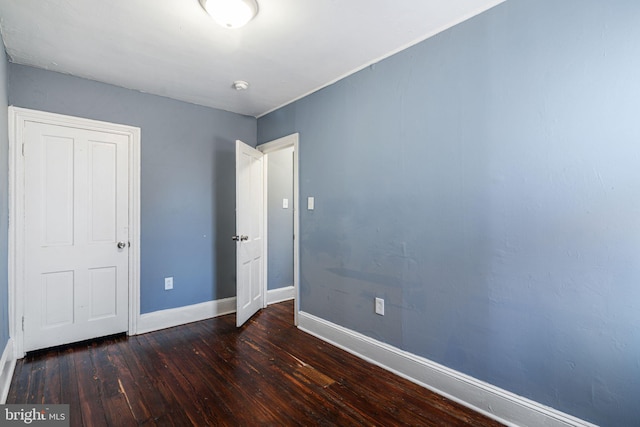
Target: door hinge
column 22, row 323
column 23, row 149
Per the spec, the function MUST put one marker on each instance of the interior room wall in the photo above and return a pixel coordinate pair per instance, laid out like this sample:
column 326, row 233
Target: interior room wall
column 280, row 219
column 485, row 184
column 187, row 179
column 4, row 199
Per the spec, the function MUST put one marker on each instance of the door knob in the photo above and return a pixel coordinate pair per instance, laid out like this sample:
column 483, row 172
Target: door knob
column 121, row 245
column 241, row 238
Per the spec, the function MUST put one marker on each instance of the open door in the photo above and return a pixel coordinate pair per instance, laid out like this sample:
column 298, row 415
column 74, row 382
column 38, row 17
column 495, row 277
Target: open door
column 249, row 232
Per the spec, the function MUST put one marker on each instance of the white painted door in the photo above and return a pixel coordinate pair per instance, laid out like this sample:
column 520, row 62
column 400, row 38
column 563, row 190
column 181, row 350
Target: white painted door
column 249, row 232
column 76, row 234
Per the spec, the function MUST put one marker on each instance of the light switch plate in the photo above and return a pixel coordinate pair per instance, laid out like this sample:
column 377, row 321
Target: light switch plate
column 168, row 283
column 285, row 203
column 310, row 203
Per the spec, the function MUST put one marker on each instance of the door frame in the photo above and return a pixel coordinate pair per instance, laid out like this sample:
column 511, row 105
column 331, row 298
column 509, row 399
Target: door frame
column 266, row 148
column 17, row 119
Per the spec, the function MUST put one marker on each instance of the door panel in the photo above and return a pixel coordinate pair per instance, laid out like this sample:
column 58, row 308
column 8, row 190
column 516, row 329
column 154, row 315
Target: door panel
column 103, row 192
column 104, row 292
column 57, row 186
column 76, row 210
column 249, row 232
column 57, row 304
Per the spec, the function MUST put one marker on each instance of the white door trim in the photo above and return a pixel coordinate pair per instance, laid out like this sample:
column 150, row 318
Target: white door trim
column 266, row 148
column 17, row 119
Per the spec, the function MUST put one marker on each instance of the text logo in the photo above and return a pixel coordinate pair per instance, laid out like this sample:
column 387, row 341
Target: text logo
column 34, row 415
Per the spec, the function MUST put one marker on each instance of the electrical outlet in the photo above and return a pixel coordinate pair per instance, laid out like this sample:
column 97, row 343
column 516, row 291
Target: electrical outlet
column 380, row 306
column 168, row 283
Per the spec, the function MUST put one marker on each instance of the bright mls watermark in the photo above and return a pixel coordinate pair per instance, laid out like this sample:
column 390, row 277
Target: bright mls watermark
column 34, row 415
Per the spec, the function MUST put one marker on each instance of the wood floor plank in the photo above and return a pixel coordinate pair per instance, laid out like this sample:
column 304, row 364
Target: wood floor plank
column 188, row 373
column 36, row 381
column 69, row 392
column 128, row 388
column 211, row 373
column 92, row 412
column 172, row 383
column 107, row 379
column 154, row 370
column 20, row 382
column 140, row 381
column 52, row 387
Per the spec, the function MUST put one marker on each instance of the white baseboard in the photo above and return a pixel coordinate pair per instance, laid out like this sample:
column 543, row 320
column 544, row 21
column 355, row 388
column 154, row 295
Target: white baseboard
column 7, row 366
column 281, row 294
column 501, row 405
column 169, row 318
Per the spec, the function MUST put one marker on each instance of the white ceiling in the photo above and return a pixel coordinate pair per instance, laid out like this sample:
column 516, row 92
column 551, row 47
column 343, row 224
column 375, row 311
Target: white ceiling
column 174, row 49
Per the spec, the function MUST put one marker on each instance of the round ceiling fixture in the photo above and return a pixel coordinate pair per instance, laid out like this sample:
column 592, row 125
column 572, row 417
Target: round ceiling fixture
column 240, row 85
column 231, row 13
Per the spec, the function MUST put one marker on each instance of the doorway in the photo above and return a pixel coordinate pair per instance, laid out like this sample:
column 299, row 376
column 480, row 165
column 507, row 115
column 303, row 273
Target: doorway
column 281, row 201
column 74, row 229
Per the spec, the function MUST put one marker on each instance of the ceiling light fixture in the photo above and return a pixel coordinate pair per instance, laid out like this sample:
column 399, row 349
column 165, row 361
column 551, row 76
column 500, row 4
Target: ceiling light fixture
column 231, row 13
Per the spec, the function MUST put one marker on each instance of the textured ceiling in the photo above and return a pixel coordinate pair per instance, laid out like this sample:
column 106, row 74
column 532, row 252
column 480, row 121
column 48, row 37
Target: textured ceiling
column 173, row 48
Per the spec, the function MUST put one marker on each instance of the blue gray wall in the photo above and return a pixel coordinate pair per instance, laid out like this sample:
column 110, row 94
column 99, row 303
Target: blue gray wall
column 4, row 200
column 280, row 220
column 486, row 183
column 187, row 179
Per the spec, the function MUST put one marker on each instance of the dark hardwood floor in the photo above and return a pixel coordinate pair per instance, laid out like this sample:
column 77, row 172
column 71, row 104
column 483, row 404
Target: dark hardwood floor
column 266, row 373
